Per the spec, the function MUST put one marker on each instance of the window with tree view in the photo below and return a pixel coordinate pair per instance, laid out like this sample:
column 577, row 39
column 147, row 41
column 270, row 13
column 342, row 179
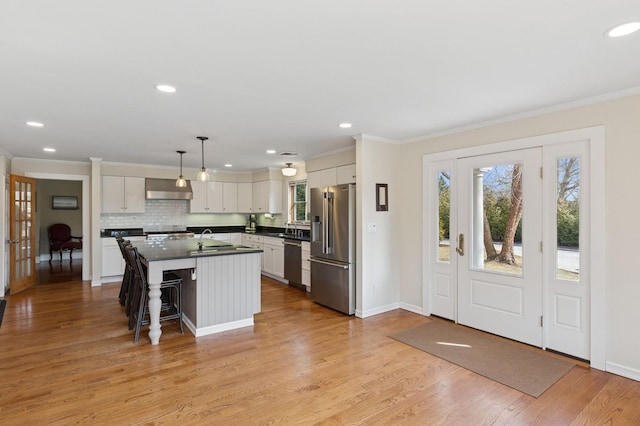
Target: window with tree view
column 568, row 219
column 298, row 201
column 444, row 214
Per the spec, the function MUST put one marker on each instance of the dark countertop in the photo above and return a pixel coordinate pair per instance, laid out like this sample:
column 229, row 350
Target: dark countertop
column 283, row 235
column 122, row 232
column 154, row 250
column 264, row 231
column 216, row 229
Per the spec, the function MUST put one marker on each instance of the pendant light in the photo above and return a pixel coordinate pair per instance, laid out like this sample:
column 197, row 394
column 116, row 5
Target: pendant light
column 203, row 175
column 289, row 171
column 181, row 182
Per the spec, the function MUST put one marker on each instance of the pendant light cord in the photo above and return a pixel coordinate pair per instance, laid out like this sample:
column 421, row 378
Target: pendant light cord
column 202, row 145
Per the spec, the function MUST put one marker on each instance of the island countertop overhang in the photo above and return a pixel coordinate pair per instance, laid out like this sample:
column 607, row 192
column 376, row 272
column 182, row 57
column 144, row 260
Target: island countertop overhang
column 159, row 250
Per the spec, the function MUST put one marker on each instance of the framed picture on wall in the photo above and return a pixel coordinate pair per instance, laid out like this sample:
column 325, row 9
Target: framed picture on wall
column 64, row 202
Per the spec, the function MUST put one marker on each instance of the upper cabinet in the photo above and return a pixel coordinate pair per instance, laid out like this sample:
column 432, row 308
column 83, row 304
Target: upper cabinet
column 207, row 197
column 267, row 196
column 346, row 174
column 230, row 197
column 322, row 178
column 245, row 197
column 214, row 197
column 332, row 176
column 122, row 194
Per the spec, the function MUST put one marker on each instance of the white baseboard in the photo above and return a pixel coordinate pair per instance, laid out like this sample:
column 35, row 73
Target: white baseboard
column 621, row 370
column 218, row 328
column 411, row 308
column 275, row 277
column 377, row 311
column 56, row 257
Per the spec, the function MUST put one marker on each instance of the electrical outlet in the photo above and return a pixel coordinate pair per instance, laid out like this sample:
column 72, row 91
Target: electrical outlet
column 371, row 227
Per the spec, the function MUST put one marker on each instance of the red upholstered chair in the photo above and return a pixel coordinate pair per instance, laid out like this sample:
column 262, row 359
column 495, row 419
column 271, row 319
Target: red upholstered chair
column 60, row 239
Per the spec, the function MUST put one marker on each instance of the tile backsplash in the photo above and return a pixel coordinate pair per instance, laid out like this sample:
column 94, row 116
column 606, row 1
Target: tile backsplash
column 173, row 215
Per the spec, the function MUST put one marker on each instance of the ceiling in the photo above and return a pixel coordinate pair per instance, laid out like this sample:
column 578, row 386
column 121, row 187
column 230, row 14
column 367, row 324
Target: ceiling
column 255, row 75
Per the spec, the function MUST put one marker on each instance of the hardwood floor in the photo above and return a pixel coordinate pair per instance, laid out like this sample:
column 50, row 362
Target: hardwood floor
column 67, row 357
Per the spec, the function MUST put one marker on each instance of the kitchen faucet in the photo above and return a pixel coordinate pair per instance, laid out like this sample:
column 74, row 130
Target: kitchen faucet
column 206, row 231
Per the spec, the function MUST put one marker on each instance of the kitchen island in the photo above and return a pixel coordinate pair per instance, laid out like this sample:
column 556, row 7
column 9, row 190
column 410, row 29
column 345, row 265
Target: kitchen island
column 221, row 283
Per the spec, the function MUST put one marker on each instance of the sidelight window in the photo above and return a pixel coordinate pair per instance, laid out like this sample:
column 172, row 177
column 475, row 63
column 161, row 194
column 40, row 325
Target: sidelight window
column 444, row 215
column 568, row 219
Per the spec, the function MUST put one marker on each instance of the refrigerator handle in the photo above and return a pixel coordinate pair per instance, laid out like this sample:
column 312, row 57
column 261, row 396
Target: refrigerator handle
column 327, row 225
column 329, row 264
column 324, row 223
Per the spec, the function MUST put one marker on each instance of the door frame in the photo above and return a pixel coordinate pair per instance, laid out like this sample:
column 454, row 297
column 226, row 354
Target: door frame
column 595, row 136
column 86, row 217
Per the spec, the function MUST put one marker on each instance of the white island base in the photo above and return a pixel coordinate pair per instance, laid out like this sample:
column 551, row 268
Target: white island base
column 219, row 293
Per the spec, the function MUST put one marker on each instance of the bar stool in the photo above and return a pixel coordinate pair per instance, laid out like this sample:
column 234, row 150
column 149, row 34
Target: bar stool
column 171, row 288
column 127, row 278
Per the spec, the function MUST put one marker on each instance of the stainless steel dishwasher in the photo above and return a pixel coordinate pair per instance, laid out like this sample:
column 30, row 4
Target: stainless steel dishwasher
column 293, row 262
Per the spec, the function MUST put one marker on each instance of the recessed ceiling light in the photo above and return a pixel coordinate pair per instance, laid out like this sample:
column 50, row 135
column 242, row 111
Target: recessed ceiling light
column 228, row 165
column 166, row 88
column 49, row 149
column 271, row 151
column 345, row 125
column 34, row 124
column 623, row 30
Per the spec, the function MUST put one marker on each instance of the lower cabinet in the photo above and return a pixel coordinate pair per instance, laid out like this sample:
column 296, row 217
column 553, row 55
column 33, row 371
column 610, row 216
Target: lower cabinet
column 273, row 256
column 255, row 241
column 306, row 264
column 112, row 261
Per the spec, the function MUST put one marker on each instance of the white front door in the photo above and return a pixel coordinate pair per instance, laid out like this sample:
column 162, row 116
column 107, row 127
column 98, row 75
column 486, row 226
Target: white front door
column 554, row 295
column 500, row 282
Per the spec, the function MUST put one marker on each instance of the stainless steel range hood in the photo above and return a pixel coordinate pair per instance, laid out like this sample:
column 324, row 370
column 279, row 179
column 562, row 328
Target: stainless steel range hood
column 166, row 189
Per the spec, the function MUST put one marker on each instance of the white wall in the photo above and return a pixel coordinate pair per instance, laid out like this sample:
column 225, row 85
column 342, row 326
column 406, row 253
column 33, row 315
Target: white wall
column 622, row 126
column 377, row 252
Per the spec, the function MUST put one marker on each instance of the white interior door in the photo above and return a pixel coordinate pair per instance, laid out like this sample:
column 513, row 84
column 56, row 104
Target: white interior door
column 494, row 296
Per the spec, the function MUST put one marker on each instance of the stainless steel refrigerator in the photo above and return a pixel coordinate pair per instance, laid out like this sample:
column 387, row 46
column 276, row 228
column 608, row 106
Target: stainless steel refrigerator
column 333, row 252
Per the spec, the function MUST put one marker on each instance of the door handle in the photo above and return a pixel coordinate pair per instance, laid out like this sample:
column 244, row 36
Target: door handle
column 460, row 248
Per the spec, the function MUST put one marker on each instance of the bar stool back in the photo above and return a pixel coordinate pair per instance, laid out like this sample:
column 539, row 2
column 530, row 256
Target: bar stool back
column 171, row 288
column 127, row 278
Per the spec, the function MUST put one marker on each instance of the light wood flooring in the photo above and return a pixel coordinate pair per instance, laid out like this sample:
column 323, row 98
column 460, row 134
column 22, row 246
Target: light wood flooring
column 67, row 357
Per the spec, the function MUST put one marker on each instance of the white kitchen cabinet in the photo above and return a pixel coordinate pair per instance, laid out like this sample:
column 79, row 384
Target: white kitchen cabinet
column 346, row 174
column 235, row 238
column 306, row 264
column 207, row 197
column 230, row 197
column 245, row 197
column 112, row 261
column 322, row 178
column 255, row 241
column 273, row 256
column 267, row 196
column 121, row 194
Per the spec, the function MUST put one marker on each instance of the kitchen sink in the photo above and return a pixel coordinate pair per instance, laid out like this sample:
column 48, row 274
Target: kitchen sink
column 204, row 251
column 219, row 248
column 210, row 246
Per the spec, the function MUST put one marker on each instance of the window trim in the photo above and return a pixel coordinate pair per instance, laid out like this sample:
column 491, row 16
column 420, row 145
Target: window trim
column 291, row 202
